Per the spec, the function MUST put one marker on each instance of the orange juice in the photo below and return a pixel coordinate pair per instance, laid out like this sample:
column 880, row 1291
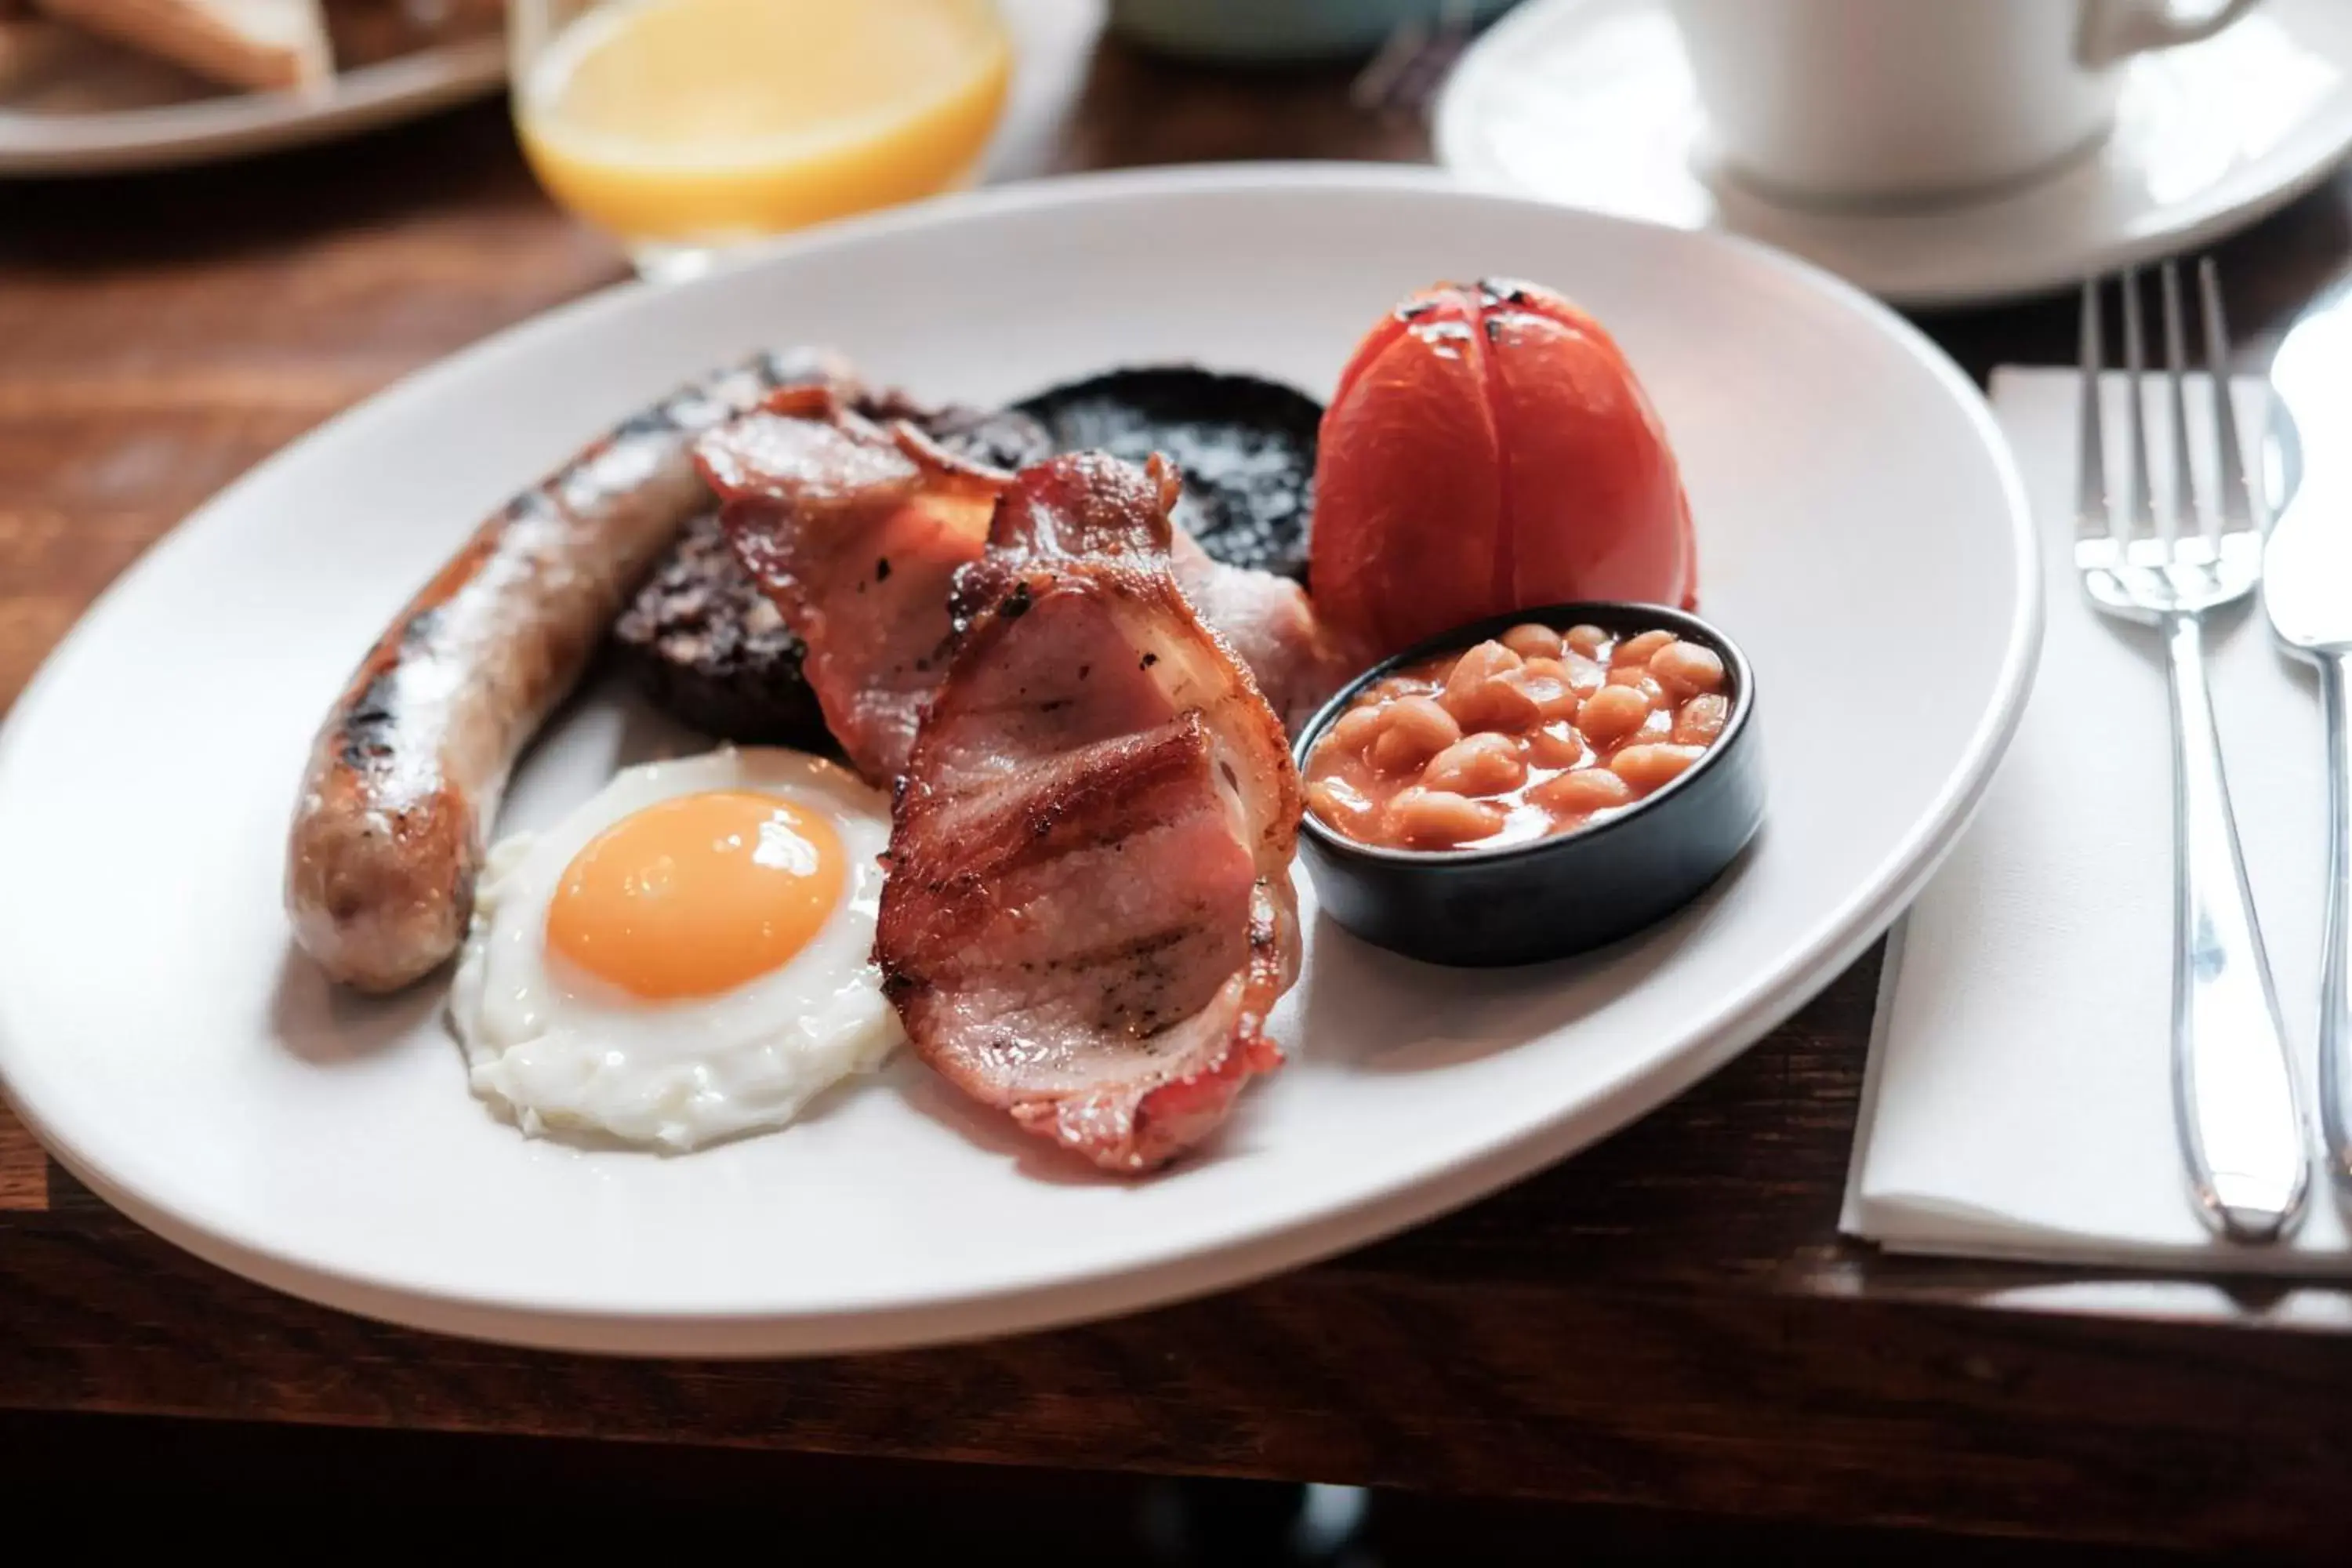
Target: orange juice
column 702, row 122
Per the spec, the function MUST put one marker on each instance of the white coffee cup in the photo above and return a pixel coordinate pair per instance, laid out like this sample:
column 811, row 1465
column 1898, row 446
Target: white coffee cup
column 1868, row 101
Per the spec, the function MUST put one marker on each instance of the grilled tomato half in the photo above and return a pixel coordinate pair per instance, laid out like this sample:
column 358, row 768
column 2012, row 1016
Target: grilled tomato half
column 1490, row 449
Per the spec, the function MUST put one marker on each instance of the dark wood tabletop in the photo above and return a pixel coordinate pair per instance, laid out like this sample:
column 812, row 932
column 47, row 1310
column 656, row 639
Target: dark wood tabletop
column 1669, row 1320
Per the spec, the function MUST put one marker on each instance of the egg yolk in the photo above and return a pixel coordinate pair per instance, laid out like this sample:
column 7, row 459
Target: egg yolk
column 697, row 895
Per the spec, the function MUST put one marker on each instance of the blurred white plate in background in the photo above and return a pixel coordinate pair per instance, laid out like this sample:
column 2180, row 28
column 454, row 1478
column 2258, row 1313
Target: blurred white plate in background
column 113, row 111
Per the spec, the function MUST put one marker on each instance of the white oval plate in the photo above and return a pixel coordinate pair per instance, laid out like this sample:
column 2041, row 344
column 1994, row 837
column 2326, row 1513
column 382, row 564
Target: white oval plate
column 1861, row 533
column 148, row 134
column 1589, row 102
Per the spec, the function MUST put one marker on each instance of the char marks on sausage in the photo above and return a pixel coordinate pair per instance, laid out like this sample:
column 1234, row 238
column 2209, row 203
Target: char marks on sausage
column 405, row 775
column 1090, row 912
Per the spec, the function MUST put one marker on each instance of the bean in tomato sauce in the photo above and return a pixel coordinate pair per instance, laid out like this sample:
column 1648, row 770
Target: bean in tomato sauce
column 1532, row 733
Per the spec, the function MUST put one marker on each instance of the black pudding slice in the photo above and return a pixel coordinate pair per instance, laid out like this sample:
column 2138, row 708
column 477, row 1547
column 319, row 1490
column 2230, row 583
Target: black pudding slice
column 710, row 650
column 1246, row 448
column 704, row 644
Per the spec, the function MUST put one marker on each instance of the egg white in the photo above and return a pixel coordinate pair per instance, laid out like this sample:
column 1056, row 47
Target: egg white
column 559, row 1048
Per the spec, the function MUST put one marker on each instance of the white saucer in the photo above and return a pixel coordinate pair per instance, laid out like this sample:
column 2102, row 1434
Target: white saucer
column 1589, row 102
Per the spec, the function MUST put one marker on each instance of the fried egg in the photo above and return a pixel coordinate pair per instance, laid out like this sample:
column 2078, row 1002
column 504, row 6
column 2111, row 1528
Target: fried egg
column 685, row 957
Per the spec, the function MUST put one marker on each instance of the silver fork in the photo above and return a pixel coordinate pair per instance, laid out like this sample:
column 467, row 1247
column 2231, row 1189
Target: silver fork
column 2233, row 1090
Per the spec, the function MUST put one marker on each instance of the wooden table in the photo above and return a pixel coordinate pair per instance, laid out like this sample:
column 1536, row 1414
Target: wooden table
column 1668, row 1320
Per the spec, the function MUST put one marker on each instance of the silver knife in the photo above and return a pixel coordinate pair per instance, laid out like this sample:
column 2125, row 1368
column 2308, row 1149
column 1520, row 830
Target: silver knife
column 2307, row 589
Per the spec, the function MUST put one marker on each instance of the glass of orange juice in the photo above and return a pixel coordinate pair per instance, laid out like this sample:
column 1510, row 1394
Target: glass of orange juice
column 687, row 126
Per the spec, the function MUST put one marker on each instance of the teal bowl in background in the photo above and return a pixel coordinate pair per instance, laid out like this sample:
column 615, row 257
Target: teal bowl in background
column 1277, row 30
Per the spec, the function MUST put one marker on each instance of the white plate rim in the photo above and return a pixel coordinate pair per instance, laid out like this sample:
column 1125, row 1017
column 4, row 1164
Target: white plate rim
column 1081, row 1295
column 2209, row 216
column 233, row 125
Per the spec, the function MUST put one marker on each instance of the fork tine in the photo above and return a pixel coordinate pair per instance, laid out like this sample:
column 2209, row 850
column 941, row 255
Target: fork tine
column 2239, row 512
column 2187, row 517
column 2094, row 517
column 2139, row 510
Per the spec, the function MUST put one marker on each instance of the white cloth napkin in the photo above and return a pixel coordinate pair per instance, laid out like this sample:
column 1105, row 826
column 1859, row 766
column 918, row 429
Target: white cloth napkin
column 2018, row 1102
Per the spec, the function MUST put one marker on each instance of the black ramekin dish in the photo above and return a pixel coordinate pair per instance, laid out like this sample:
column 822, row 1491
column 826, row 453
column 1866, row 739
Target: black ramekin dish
column 1570, row 892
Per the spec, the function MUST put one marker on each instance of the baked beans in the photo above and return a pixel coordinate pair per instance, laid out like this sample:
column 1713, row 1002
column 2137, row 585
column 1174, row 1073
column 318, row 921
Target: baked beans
column 1532, row 733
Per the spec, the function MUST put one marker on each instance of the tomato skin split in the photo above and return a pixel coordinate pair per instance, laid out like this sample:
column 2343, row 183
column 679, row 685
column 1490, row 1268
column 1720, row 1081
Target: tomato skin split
column 1490, row 449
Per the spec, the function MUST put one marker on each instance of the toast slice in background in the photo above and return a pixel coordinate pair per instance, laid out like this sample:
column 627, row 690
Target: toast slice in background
column 258, row 44
column 50, row 68
column 29, row 47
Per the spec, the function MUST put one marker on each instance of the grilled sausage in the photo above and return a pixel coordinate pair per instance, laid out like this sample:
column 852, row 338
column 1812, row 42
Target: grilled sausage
column 405, row 775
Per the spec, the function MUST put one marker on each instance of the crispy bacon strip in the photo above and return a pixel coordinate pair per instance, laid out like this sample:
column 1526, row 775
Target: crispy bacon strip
column 856, row 531
column 1296, row 660
column 1090, row 912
